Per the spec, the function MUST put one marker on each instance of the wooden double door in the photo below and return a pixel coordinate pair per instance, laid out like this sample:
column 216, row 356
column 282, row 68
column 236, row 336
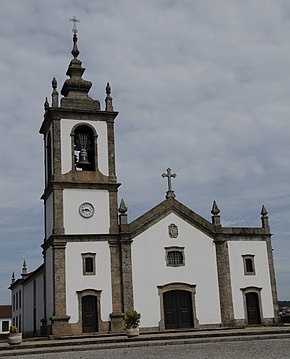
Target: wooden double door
column 178, row 309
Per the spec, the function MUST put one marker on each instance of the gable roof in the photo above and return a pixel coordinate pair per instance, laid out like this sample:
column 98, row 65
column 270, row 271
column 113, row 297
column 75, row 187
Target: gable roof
column 171, row 205
column 5, row 311
column 28, row 277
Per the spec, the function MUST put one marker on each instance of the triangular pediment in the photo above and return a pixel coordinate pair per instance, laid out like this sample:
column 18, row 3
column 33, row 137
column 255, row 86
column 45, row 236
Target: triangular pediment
column 165, row 208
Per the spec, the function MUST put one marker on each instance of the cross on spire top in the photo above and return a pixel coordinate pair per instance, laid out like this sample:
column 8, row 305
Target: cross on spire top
column 169, row 175
column 74, row 20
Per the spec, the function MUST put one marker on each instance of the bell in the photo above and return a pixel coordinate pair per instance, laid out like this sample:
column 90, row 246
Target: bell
column 83, row 159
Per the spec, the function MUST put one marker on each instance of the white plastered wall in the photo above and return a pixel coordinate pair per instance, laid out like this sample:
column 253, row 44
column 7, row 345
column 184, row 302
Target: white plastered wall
column 74, row 223
column 66, row 149
column 76, row 281
column 261, row 279
column 150, row 270
column 28, row 304
column 17, row 308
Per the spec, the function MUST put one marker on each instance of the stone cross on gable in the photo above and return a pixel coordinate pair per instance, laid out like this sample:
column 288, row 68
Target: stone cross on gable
column 169, row 175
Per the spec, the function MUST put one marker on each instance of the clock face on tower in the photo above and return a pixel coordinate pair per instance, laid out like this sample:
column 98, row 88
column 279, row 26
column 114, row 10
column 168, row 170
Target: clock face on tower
column 86, row 210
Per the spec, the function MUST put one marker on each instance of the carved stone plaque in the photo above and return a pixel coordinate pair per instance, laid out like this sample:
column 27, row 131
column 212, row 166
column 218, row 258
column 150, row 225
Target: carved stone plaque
column 173, row 230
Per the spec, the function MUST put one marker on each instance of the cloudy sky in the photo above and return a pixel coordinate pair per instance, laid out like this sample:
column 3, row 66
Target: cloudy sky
column 201, row 86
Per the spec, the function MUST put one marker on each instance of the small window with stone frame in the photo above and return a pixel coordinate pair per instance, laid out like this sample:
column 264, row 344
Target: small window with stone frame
column 249, row 264
column 5, row 326
column 174, row 256
column 89, row 263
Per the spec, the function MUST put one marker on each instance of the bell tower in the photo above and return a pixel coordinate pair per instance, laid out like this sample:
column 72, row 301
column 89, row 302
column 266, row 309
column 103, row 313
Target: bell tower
column 80, row 202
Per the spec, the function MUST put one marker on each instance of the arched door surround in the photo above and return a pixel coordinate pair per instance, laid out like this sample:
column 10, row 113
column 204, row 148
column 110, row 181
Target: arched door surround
column 177, row 306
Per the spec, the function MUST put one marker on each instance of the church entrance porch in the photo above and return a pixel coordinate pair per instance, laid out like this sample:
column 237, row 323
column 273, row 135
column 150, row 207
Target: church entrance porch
column 90, row 315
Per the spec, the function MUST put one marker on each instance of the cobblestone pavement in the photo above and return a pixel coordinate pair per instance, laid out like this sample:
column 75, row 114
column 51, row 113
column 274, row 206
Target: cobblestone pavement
column 254, row 349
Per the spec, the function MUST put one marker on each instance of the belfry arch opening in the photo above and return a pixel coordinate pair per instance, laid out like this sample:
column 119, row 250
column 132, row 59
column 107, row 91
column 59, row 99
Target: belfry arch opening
column 84, row 142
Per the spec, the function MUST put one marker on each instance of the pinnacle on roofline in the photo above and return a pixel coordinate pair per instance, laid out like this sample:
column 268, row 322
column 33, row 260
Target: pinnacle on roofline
column 215, row 214
column 75, row 51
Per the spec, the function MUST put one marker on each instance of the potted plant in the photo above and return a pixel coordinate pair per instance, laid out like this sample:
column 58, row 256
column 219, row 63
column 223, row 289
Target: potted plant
column 132, row 320
column 14, row 336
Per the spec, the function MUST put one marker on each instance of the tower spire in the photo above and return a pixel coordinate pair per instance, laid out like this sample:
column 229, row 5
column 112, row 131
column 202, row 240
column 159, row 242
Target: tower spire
column 76, row 89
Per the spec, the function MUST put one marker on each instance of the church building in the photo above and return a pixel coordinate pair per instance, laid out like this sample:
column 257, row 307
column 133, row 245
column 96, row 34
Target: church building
column 179, row 270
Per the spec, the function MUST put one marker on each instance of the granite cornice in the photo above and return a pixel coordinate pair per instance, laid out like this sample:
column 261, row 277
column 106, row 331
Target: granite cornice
column 18, row 282
column 244, row 231
column 47, row 121
column 220, row 238
column 59, row 185
column 63, row 239
column 58, row 113
column 125, row 237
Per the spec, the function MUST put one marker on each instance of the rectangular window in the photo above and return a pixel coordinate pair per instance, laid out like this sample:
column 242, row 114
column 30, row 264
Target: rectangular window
column 20, row 299
column 89, row 263
column 16, row 300
column 174, row 256
column 5, row 326
column 249, row 264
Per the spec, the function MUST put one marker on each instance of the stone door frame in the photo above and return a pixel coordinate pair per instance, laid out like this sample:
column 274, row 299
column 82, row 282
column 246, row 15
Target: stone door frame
column 173, row 287
column 257, row 291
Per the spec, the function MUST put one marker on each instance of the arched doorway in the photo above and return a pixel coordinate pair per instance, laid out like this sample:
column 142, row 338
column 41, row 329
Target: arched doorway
column 177, row 309
column 89, row 314
column 253, row 308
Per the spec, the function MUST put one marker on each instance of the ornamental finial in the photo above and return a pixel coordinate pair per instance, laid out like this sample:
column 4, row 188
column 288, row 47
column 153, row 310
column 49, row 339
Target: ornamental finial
column 264, row 211
column 75, row 51
column 74, row 20
column 54, row 94
column 264, row 218
column 123, row 209
column 24, row 269
column 123, row 218
column 215, row 210
column 46, row 104
column 109, row 100
column 215, row 214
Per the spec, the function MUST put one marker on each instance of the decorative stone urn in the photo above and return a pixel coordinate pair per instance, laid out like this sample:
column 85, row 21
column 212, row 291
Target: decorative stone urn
column 132, row 332
column 14, row 338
